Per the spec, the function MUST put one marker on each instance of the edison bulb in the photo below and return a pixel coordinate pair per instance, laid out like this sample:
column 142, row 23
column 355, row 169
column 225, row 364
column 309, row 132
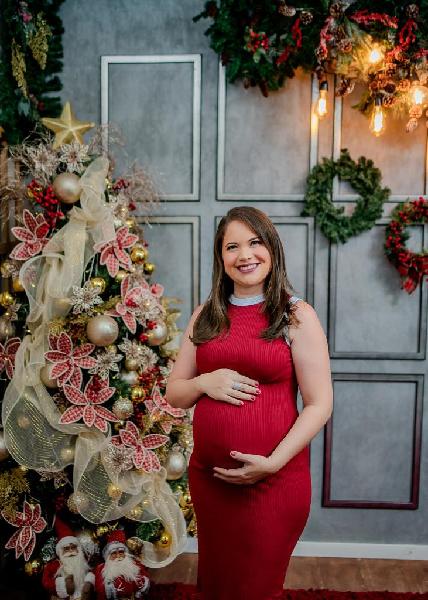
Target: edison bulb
column 418, row 94
column 321, row 109
column 377, row 121
column 375, row 54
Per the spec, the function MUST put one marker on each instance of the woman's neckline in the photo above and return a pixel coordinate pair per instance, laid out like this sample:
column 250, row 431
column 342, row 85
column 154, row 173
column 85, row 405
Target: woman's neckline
column 248, row 301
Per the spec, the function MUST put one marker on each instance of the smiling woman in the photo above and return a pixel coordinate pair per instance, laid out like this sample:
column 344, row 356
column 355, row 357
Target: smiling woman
column 249, row 471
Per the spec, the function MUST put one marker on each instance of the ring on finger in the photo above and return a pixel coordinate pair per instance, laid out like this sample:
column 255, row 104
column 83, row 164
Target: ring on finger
column 236, row 385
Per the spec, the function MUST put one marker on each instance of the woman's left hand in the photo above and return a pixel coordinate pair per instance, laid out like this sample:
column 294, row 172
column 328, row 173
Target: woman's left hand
column 255, row 467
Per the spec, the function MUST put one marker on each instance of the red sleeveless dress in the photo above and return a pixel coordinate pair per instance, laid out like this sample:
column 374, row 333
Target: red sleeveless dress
column 246, row 533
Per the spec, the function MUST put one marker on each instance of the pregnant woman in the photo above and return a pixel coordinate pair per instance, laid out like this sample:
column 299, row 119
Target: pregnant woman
column 243, row 356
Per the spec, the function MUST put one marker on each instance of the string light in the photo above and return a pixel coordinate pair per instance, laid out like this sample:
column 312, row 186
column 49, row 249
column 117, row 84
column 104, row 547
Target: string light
column 375, row 54
column 377, row 121
column 418, row 94
column 321, row 109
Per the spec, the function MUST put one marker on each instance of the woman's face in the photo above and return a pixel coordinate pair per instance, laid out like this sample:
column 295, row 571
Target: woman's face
column 245, row 258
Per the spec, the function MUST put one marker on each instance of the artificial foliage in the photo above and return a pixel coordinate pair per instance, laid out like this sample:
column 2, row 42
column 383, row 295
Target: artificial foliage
column 83, row 386
column 411, row 266
column 384, row 47
column 364, row 178
column 31, row 47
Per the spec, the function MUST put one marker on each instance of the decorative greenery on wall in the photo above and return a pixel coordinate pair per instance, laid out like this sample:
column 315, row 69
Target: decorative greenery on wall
column 31, row 47
column 383, row 45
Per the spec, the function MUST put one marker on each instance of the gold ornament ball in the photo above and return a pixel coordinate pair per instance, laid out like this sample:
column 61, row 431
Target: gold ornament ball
column 129, row 377
column 131, row 364
column 67, row 187
column 135, row 513
column 139, row 254
column 137, row 393
column 164, row 541
column 6, row 299
column 78, row 502
column 185, row 500
column 102, row 330
column 102, row 530
column 61, row 306
column 7, row 268
column 118, row 426
column 158, row 335
column 23, row 421
column 135, row 544
column 131, row 223
column 67, row 454
column 120, row 276
column 112, row 348
column 33, row 567
column 175, row 465
column 123, row 408
column 17, row 285
column 4, row 452
column 46, row 379
column 114, row 491
column 98, row 283
column 7, row 329
column 149, row 268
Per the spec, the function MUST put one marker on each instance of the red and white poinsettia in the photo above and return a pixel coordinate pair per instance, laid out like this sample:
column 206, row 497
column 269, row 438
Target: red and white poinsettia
column 32, row 236
column 86, row 404
column 68, row 361
column 129, row 308
column 143, row 456
column 113, row 253
column 30, row 522
column 160, row 410
column 7, row 355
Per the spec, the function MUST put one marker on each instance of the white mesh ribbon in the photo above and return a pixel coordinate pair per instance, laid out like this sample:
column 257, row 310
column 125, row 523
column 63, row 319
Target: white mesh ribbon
column 30, row 418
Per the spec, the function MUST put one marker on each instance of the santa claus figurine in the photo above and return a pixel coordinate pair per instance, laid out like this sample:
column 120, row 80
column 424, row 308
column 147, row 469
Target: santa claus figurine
column 122, row 575
column 69, row 576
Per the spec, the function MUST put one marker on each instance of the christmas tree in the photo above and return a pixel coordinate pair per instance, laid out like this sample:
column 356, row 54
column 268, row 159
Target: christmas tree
column 85, row 353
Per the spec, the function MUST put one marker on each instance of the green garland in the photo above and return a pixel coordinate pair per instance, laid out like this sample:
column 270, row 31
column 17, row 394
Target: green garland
column 263, row 42
column 30, row 39
column 365, row 179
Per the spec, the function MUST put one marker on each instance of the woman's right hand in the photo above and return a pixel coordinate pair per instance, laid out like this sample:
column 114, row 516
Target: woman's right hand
column 218, row 385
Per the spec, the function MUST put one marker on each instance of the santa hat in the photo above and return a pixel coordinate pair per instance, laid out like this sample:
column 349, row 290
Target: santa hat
column 64, row 534
column 115, row 541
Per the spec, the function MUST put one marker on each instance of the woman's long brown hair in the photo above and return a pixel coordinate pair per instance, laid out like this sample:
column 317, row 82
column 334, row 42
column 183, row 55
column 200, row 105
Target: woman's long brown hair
column 213, row 320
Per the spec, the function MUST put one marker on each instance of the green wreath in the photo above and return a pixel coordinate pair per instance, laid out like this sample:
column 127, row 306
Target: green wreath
column 365, row 179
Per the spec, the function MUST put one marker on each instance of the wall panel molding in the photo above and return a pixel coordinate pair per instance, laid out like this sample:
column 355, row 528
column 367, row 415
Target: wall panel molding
column 413, row 501
column 195, row 60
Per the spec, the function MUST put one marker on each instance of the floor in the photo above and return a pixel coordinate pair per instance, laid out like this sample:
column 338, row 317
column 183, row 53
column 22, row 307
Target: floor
column 341, row 574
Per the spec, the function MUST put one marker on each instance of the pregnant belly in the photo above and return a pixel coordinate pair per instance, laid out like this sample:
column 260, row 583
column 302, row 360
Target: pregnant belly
column 253, row 428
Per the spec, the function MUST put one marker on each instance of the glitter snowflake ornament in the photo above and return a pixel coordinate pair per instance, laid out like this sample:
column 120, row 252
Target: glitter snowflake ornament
column 74, row 155
column 84, row 299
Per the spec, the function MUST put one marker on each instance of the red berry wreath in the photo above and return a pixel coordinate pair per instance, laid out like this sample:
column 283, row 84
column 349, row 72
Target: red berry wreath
column 412, row 266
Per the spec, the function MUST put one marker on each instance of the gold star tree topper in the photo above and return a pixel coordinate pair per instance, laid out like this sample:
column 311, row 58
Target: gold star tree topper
column 67, row 128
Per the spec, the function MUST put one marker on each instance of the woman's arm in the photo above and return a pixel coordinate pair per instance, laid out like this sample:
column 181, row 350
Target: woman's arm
column 183, row 387
column 312, row 365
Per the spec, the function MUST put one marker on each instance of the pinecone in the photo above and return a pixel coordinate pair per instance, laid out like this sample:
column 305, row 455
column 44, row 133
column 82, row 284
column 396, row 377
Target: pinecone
column 345, row 45
column 412, row 11
column 390, row 69
column 403, row 85
column 415, row 112
column 286, row 11
column 344, row 87
column 389, row 101
column 336, row 9
column 306, row 17
column 390, row 87
column 321, row 54
column 411, row 125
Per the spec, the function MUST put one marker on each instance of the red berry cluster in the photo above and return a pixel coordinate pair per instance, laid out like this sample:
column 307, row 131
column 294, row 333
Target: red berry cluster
column 47, row 200
column 257, row 40
column 120, row 184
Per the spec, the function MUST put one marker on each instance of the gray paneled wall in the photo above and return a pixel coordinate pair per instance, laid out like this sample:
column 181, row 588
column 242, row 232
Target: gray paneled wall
column 146, row 67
